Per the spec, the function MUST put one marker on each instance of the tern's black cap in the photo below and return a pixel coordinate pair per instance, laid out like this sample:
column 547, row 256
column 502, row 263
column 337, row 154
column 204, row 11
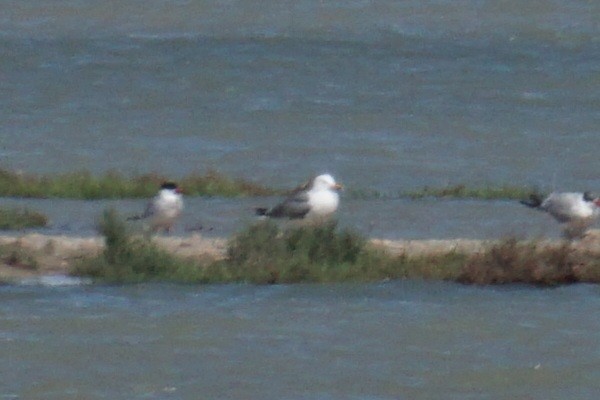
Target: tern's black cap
column 169, row 185
column 589, row 196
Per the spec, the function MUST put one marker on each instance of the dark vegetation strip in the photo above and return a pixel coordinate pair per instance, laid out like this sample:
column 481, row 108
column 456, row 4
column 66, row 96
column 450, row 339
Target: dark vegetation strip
column 265, row 254
column 21, row 218
column 459, row 191
column 112, row 185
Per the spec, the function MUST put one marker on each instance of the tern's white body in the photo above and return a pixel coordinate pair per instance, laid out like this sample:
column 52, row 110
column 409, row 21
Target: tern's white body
column 164, row 210
column 570, row 207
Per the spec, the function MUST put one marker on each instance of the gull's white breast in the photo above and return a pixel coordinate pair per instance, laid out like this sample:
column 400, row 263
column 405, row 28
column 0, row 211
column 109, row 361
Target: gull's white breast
column 322, row 202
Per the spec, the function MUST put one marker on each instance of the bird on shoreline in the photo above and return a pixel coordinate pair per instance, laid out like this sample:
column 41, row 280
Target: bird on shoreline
column 318, row 198
column 576, row 210
column 164, row 209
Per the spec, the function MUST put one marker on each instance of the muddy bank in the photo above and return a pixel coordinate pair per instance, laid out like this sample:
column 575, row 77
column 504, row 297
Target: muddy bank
column 55, row 254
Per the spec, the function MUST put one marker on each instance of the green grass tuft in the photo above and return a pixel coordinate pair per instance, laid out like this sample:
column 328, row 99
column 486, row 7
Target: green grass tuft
column 265, row 254
column 127, row 259
column 21, row 218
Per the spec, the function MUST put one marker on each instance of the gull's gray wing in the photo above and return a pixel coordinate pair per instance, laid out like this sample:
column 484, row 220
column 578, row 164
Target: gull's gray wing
column 294, row 207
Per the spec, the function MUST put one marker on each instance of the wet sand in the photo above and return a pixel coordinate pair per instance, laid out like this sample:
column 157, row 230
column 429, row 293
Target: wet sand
column 54, row 254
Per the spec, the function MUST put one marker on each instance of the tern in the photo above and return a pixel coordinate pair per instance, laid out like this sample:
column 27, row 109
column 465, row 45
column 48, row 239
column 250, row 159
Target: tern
column 164, row 209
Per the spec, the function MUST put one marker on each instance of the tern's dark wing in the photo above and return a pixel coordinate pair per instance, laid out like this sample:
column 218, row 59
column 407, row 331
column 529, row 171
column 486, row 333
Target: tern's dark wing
column 148, row 212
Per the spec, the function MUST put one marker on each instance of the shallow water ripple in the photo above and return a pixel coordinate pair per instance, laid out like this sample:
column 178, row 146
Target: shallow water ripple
column 405, row 339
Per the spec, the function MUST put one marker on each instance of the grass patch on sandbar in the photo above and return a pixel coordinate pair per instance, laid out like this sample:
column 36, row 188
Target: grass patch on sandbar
column 21, row 218
column 129, row 259
column 264, row 253
column 261, row 254
column 111, row 185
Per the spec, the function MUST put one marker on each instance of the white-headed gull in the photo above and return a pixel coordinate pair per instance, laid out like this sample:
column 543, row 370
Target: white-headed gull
column 317, row 198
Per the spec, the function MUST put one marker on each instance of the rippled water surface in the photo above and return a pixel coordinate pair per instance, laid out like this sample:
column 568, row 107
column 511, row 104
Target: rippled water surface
column 386, row 95
column 387, row 341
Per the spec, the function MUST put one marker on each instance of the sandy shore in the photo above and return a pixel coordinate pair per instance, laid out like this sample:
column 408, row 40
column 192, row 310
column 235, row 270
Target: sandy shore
column 55, row 254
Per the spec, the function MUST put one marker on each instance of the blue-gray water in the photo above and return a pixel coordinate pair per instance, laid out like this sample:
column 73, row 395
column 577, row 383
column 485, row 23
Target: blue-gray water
column 386, row 95
column 403, row 340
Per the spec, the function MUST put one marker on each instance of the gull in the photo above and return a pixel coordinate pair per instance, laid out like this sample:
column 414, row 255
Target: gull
column 574, row 209
column 164, row 209
column 318, row 198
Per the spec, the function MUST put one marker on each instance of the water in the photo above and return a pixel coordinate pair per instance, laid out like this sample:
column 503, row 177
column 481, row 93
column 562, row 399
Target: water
column 381, row 341
column 388, row 95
